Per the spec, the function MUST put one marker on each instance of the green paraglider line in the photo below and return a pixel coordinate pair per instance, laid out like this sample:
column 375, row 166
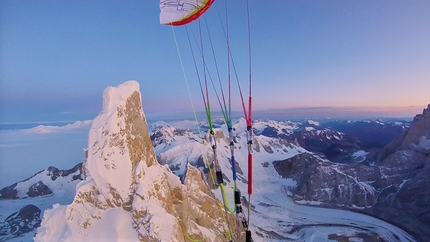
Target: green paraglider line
column 247, row 113
column 226, row 112
column 225, row 220
column 227, row 119
column 208, row 111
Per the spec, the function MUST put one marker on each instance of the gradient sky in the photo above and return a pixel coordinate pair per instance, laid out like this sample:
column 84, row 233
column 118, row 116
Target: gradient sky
column 56, row 57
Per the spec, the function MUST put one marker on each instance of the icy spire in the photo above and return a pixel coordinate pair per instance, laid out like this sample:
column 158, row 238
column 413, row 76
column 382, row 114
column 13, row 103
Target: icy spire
column 126, row 194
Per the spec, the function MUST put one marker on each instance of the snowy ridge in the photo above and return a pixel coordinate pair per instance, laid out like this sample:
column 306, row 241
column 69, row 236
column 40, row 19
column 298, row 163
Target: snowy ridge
column 60, row 185
column 50, row 181
column 272, row 128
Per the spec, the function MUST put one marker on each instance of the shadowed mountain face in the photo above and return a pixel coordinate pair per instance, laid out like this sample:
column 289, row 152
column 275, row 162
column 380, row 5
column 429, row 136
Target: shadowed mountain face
column 395, row 186
column 339, row 140
column 23, row 221
column 374, row 134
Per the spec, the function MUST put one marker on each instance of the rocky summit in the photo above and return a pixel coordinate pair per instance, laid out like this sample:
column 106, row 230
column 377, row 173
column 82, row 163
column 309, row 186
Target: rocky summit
column 126, row 194
column 394, row 186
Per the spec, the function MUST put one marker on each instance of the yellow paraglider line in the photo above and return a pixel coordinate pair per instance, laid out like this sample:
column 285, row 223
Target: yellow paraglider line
column 215, row 235
column 224, row 196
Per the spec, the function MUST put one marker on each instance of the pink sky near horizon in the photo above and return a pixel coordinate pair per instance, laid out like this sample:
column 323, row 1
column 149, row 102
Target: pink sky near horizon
column 59, row 56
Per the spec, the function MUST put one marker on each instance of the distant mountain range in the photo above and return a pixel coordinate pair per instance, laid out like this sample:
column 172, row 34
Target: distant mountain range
column 308, row 177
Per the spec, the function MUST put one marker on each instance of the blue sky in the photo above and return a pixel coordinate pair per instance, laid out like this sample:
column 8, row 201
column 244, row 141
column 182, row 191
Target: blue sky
column 58, row 56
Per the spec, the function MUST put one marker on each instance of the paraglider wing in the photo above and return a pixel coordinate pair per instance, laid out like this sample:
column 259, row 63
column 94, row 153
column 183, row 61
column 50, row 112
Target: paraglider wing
column 180, row 12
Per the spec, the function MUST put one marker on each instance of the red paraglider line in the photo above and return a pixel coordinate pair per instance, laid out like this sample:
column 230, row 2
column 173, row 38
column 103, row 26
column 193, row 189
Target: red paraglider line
column 249, row 128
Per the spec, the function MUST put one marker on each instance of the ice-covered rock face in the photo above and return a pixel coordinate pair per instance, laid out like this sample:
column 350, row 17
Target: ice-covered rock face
column 118, row 141
column 126, row 194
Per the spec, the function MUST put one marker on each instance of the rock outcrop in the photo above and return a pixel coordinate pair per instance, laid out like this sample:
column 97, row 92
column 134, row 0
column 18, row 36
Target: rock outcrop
column 21, row 222
column 127, row 194
column 329, row 184
column 406, row 198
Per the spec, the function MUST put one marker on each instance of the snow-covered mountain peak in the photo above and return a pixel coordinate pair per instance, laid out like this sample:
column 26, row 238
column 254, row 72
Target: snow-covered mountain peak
column 114, row 95
column 313, row 123
column 273, row 128
column 116, row 142
column 126, row 193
